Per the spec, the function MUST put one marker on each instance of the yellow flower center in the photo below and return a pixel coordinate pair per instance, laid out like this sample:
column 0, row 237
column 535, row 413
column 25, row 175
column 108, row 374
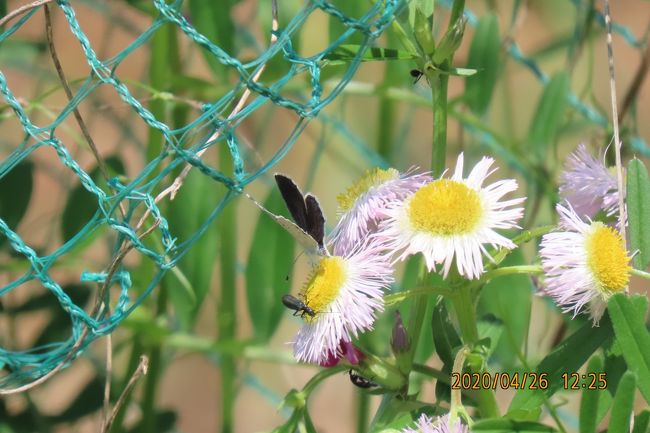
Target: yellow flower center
column 371, row 179
column 324, row 285
column 607, row 259
column 445, row 207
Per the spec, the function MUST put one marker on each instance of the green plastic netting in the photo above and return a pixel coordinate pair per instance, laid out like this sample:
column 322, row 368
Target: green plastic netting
column 128, row 207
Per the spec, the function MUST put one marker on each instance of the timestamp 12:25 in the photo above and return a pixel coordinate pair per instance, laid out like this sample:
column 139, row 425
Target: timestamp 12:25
column 584, row 381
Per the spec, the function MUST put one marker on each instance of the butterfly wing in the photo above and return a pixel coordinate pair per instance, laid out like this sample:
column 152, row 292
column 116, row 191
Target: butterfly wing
column 294, row 200
column 315, row 220
column 310, row 245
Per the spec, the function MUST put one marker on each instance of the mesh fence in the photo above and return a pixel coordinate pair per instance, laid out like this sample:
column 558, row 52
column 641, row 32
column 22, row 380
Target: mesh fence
column 129, row 207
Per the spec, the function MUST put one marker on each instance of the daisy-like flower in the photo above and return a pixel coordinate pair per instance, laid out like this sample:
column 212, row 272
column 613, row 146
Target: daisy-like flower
column 588, row 185
column 584, row 265
column 362, row 206
column 453, row 218
column 345, row 292
column 440, row 424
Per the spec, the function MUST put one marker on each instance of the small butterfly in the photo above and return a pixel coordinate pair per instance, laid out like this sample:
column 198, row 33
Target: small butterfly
column 309, row 226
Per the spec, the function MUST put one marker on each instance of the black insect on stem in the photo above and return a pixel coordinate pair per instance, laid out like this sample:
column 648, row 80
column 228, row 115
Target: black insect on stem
column 298, row 306
column 417, row 74
column 361, row 381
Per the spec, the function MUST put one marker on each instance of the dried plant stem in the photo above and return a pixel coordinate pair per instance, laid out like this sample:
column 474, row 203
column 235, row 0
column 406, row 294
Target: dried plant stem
column 21, row 10
column 617, row 140
column 140, row 371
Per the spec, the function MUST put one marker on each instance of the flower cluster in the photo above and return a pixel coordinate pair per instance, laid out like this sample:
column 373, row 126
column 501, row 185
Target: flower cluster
column 388, row 216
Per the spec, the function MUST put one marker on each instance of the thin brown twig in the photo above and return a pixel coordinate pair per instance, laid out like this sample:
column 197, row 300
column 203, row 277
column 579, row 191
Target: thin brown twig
column 617, row 140
column 140, row 371
column 102, row 169
column 21, row 10
column 68, row 93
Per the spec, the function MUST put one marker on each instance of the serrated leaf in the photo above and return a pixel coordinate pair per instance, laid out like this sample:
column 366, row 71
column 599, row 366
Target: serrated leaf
column 484, row 56
column 628, row 319
column 549, row 114
column 346, row 53
column 15, row 192
column 638, row 212
column 619, row 420
column 270, row 264
column 568, row 356
column 590, row 399
column 503, row 425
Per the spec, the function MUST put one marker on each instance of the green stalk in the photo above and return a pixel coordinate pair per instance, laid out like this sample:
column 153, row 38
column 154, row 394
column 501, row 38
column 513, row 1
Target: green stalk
column 153, row 375
column 363, row 405
column 439, row 84
column 226, row 308
column 465, row 308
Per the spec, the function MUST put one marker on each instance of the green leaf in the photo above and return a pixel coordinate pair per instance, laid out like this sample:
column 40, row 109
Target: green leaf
column 446, row 341
column 82, row 204
column 497, row 298
column 187, row 214
column 619, row 420
column 490, row 330
column 484, row 56
column 638, row 212
column 628, row 319
column 549, row 114
column 270, row 263
column 642, row 422
column 214, row 20
column 15, row 192
column 590, row 399
column 567, row 357
column 422, row 32
column 502, row 425
column 346, row 53
column 445, row 337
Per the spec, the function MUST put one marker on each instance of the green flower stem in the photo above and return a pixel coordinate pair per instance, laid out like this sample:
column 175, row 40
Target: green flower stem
column 466, row 314
column 363, row 406
column 439, row 84
column 640, row 273
column 321, row 376
column 526, row 236
column 465, row 308
column 396, row 298
column 510, row 270
column 432, row 372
